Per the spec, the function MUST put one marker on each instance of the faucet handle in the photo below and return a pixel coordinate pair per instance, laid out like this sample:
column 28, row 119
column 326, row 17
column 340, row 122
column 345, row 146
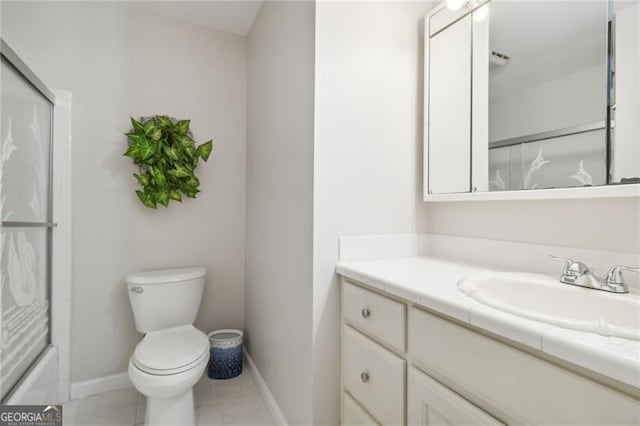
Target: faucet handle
column 571, row 267
column 614, row 276
column 568, row 262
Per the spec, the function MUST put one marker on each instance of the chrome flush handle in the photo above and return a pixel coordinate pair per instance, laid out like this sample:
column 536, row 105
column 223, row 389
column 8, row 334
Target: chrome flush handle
column 137, row 289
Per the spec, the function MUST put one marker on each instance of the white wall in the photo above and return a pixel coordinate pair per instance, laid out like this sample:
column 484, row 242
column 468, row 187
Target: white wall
column 571, row 100
column 278, row 294
column 368, row 146
column 604, row 224
column 120, row 62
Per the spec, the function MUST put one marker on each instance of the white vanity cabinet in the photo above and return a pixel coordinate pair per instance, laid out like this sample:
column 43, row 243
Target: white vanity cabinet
column 402, row 364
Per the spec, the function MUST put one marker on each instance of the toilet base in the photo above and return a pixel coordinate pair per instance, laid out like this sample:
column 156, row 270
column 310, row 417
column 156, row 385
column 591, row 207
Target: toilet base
column 178, row 410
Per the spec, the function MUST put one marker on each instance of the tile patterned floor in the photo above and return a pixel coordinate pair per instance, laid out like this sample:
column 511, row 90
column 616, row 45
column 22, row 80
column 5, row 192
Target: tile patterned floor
column 218, row 402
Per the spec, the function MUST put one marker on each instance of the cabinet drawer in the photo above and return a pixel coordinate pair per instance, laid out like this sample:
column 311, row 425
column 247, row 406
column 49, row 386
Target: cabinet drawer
column 353, row 413
column 374, row 376
column 430, row 402
column 523, row 388
column 380, row 316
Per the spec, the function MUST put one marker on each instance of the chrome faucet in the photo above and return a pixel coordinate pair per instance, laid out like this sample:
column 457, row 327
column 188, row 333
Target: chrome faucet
column 577, row 273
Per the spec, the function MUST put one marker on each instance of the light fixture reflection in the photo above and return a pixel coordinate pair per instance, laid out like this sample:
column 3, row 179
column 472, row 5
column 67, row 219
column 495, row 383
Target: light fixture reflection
column 481, row 13
column 455, row 4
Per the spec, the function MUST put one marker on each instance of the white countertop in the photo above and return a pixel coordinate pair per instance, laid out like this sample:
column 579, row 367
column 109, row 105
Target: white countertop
column 431, row 282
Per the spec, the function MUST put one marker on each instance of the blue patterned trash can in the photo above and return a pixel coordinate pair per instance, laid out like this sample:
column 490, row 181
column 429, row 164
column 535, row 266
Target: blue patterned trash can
column 225, row 361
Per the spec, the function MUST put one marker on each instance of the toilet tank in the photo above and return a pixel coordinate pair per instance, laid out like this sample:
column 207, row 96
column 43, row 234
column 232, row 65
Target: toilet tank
column 165, row 298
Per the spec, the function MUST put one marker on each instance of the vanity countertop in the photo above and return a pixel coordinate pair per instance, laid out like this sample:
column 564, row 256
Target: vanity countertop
column 431, row 282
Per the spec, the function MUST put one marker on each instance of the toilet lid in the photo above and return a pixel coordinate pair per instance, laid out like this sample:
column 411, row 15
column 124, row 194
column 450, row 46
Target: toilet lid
column 171, row 351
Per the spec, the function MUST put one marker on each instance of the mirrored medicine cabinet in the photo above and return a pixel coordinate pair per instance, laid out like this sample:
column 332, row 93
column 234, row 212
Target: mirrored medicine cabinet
column 532, row 99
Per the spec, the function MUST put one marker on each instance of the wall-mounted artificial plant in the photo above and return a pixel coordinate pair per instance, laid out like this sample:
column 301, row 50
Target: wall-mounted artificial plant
column 164, row 150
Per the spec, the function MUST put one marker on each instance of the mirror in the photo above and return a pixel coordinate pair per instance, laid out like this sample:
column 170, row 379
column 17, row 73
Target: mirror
column 547, row 94
column 554, row 99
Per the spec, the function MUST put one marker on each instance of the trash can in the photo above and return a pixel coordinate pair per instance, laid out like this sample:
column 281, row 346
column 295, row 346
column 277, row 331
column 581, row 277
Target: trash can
column 225, row 361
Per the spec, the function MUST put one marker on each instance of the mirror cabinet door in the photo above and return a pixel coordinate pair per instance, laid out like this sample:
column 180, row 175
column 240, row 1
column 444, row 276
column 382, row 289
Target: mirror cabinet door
column 449, row 109
column 625, row 93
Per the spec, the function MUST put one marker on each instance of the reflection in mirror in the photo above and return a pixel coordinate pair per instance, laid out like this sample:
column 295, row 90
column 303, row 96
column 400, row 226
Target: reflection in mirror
column 547, row 94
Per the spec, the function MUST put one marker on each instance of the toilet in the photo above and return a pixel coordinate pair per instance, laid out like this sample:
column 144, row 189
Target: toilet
column 173, row 354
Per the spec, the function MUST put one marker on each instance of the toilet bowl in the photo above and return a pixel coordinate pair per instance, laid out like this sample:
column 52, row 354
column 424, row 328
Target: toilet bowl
column 164, row 367
column 173, row 354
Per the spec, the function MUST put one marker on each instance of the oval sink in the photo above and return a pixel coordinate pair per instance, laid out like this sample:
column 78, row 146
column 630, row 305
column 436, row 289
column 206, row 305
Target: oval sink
column 545, row 299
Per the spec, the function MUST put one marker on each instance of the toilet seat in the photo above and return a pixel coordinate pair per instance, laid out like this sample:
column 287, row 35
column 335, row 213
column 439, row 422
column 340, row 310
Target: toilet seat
column 171, row 351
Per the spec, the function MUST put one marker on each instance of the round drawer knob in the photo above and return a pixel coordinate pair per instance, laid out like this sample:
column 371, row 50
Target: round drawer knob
column 364, row 376
column 365, row 313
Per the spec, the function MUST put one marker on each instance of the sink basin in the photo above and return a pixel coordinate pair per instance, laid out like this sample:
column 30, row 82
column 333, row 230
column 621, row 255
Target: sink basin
column 545, row 299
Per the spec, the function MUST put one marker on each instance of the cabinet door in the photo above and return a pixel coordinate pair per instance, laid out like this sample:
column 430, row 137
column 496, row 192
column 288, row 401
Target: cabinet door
column 449, row 109
column 433, row 404
column 626, row 149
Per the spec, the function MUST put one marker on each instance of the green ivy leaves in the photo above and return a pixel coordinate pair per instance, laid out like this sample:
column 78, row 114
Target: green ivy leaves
column 204, row 150
column 167, row 157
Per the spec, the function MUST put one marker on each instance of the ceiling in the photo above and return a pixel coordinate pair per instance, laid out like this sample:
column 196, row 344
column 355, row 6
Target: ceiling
column 230, row 16
column 546, row 40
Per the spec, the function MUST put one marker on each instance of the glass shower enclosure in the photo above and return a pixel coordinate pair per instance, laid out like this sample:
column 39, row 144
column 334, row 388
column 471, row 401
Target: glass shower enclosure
column 26, row 133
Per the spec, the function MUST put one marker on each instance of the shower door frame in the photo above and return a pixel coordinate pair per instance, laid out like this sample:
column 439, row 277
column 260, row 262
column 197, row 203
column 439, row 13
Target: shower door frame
column 49, row 372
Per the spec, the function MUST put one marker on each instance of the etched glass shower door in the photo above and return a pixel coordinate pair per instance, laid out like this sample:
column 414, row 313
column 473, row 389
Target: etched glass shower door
column 25, row 212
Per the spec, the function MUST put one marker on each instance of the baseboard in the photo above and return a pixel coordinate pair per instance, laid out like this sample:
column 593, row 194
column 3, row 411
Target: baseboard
column 101, row 384
column 267, row 396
